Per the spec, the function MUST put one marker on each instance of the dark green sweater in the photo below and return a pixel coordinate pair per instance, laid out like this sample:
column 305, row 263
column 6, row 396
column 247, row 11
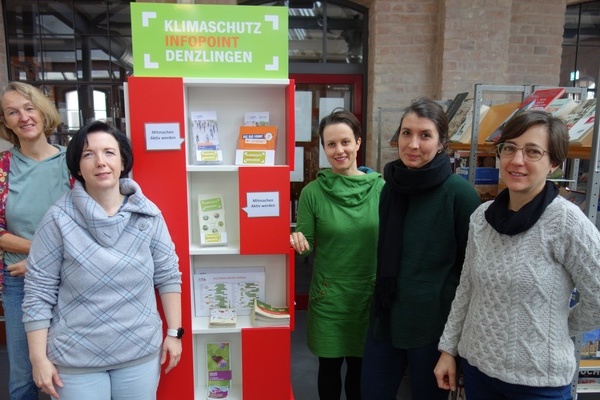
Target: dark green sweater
column 435, row 238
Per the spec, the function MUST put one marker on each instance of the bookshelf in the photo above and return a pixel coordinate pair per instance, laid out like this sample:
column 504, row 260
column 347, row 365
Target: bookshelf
column 173, row 180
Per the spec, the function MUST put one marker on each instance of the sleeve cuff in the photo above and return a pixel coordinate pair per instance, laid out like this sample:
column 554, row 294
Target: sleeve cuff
column 36, row 325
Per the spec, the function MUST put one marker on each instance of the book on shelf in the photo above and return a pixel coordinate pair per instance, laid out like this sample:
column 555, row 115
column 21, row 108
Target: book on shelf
column 459, row 119
column 561, row 107
column 258, row 118
column 211, row 220
column 264, row 314
column 218, row 369
column 582, row 124
column 491, row 126
column 588, row 384
column 540, row 99
column 590, row 349
column 205, row 137
column 464, row 132
column 222, row 316
column 256, row 145
column 228, row 287
column 454, row 106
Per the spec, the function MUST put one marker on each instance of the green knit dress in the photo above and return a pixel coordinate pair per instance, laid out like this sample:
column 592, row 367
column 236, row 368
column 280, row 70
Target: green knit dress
column 339, row 217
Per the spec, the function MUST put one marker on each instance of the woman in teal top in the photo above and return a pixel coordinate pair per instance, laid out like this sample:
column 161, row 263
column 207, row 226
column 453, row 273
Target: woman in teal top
column 33, row 175
column 424, row 219
column 337, row 218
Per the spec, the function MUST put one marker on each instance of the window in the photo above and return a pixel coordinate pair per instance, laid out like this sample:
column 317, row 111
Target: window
column 581, row 46
column 78, row 48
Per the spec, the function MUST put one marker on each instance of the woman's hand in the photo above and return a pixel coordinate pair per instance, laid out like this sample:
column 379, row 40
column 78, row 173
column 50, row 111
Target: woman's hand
column 172, row 347
column 299, row 242
column 18, row 269
column 445, row 372
column 45, row 376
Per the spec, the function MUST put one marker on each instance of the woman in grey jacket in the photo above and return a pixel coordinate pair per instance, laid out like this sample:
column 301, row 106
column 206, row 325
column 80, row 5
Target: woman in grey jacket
column 90, row 309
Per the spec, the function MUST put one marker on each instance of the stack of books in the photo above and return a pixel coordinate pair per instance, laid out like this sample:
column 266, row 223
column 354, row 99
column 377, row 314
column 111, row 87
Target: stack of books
column 264, row 314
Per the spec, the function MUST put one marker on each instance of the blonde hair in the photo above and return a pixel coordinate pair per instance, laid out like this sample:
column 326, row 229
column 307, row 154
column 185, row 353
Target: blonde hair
column 39, row 101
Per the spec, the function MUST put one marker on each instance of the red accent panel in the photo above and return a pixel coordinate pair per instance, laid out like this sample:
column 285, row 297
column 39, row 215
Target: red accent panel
column 265, row 235
column 290, row 107
column 291, row 262
column 162, row 176
column 261, row 367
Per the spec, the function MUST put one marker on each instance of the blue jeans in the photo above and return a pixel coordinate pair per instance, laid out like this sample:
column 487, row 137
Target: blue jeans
column 138, row 382
column 383, row 368
column 20, row 382
column 479, row 386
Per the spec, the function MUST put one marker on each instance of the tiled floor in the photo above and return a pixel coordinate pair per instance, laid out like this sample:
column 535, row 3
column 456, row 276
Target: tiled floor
column 305, row 364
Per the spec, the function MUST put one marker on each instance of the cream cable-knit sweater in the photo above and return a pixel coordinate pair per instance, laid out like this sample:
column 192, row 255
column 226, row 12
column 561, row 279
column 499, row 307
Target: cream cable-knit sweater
column 510, row 317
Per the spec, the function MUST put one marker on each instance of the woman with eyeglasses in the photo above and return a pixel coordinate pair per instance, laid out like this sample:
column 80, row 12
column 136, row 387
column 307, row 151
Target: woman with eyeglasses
column 510, row 322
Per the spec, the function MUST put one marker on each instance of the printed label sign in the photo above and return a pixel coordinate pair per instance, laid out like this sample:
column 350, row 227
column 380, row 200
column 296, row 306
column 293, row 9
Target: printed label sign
column 209, row 41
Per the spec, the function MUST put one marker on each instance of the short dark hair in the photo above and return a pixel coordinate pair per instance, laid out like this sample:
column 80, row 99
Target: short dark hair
column 427, row 108
column 340, row 116
column 558, row 134
column 79, row 141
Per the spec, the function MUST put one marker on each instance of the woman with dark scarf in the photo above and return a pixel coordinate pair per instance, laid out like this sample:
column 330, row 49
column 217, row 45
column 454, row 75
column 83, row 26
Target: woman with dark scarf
column 424, row 212
column 511, row 322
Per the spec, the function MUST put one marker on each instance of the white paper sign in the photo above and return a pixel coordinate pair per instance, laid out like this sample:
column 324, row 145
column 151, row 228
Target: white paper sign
column 163, row 136
column 303, row 116
column 262, row 204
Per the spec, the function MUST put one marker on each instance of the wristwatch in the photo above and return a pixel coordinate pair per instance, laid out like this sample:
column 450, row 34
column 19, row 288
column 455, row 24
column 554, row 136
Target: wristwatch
column 178, row 333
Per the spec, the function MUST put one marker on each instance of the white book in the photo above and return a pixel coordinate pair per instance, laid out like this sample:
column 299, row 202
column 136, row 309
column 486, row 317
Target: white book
column 205, row 138
column 260, row 118
column 584, row 125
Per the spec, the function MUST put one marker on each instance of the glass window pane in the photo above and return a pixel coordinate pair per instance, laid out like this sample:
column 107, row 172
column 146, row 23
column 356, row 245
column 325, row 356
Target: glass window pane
column 567, row 65
column 119, row 18
column 342, row 26
column 589, row 28
column 58, row 57
column 91, row 17
column 93, row 60
column 305, row 33
column 121, row 56
column 56, row 17
column 21, row 16
column 571, row 26
column 344, row 34
column 24, row 54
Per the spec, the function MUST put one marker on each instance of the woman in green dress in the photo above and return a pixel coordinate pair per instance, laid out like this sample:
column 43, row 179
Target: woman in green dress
column 338, row 220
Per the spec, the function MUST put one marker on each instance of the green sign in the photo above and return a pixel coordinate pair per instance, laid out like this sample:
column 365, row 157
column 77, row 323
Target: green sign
column 209, row 41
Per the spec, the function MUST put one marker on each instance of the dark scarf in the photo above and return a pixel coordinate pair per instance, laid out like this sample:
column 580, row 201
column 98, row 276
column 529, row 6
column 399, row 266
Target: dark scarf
column 508, row 222
column 401, row 183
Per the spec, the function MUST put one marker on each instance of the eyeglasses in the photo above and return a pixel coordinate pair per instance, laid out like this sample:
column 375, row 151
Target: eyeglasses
column 530, row 152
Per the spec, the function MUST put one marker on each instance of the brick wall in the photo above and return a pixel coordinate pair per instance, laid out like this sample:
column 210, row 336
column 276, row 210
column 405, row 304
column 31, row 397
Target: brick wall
column 439, row 48
column 3, row 60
